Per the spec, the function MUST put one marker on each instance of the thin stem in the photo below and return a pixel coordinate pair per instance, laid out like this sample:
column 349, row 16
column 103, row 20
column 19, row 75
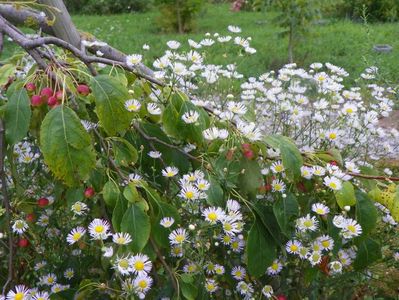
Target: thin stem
column 7, row 205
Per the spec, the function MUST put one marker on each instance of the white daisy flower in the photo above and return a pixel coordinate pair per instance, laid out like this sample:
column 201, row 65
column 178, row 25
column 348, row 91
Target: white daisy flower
column 234, row 29
column 178, row 236
column 333, row 183
column 142, row 284
column 153, row 109
column 307, row 223
column 278, row 186
column 211, row 286
column 49, row 279
column 314, row 258
column 190, row 117
column 79, row 208
column 275, row 268
column 133, row 60
column 170, row 171
column 133, row 105
column 75, row 235
column 98, row 229
column 69, row 273
column 277, row 167
column 238, row 272
column 189, row 192
column 293, row 246
column 121, row 238
column 320, row 209
column 20, row 292
column 213, row 214
column 19, row 226
column 326, row 242
column 154, row 154
column 173, row 44
column 141, row 264
column 167, row 222
column 267, row 291
column 351, row 229
column 108, row 251
column 41, row 296
column 335, row 267
column 123, row 265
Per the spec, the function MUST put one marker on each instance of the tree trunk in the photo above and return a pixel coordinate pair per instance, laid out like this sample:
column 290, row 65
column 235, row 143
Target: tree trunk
column 63, row 27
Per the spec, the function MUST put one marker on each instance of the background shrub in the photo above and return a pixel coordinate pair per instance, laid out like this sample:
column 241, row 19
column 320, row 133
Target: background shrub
column 377, row 10
column 106, row 6
column 178, row 15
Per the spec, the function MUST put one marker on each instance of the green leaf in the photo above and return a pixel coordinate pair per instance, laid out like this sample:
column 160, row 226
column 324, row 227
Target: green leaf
column 66, row 146
column 111, row 193
column 290, row 155
column 6, row 71
column 124, row 152
column 189, row 290
column 17, row 116
column 261, row 249
column 366, row 213
column 159, row 232
column 136, row 222
column 131, row 194
column 285, row 209
column 110, row 97
column 266, row 216
column 252, row 178
column 118, row 213
column 368, row 252
column 346, row 195
column 215, row 193
column 176, row 127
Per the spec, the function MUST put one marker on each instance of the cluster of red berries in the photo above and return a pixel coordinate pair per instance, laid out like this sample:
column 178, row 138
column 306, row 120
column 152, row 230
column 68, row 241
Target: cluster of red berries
column 51, row 97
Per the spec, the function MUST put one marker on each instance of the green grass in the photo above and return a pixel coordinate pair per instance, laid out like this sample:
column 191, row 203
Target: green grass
column 341, row 42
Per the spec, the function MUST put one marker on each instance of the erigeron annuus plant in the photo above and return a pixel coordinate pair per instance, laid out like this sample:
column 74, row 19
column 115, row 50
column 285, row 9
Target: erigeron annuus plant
column 180, row 191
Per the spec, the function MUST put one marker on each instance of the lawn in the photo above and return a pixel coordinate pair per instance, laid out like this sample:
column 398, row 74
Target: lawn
column 340, row 42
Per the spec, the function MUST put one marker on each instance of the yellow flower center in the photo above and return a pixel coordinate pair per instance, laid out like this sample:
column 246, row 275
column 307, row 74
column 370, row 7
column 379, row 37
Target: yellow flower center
column 326, row 243
column 50, row 280
column 99, row 228
column 142, row 284
column 279, row 168
column 227, row 226
column 333, row 185
column 19, row 296
column 212, row 216
column 308, row 223
column 139, row 265
column 349, row 110
column 351, row 228
column 294, row 248
column 278, row 187
column 76, row 236
column 120, row 240
column 124, row 263
column 275, row 266
column 179, row 238
column 332, row 136
column 320, row 211
column 226, row 239
column 189, row 195
column 132, row 107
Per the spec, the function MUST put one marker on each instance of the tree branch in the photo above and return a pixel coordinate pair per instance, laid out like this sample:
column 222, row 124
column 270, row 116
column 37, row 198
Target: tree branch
column 154, row 139
column 7, row 205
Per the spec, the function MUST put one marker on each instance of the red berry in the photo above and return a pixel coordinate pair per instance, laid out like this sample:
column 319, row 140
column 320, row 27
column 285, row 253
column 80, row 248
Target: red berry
column 30, row 217
column 89, row 192
column 46, row 92
column 268, row 187
column 43, row 202
column 83, row 89
column 52, row 101
column 246, row 147
column 281, row 297
column 333, row 162
column 30, row 87
column 249, row 154
column 23, row 243
column 59, row 95
column 36, row 100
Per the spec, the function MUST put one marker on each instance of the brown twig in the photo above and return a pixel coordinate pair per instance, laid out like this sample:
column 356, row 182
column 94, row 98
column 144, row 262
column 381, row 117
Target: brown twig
column 155, row 139
column 165, row 264
column 385, row 178
column 7, row 205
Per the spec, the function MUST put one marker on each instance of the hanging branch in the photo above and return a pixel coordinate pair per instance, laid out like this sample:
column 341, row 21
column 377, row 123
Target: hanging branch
column 7, row 206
